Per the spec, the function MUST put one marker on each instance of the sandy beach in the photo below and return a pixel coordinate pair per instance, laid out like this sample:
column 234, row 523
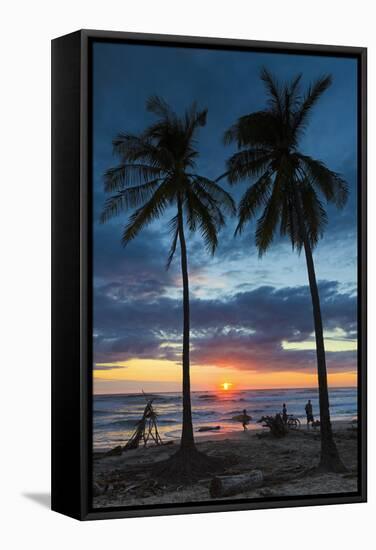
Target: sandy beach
column 286, row 464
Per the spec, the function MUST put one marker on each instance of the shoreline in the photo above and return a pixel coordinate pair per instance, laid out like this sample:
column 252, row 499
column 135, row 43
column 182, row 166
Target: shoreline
column 235, row 434
column 116, row 417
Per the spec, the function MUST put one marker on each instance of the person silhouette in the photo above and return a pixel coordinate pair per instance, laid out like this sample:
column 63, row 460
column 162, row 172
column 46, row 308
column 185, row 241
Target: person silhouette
column 309, row 412
column 284, row 413
column 245, row 420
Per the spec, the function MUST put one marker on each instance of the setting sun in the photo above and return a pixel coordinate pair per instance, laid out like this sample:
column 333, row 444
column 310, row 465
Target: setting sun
column 226, row 385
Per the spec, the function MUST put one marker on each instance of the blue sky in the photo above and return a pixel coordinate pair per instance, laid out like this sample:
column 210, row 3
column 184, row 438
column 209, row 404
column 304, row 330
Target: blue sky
column 250, row 311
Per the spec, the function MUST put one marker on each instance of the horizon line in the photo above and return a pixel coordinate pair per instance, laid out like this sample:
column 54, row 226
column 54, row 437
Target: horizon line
column 224, row 391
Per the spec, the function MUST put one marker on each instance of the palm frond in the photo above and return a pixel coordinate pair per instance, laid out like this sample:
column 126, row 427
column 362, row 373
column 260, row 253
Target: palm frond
column 117, row 177
column 141, row 149
column 153, row 174
column 256, row 196
column 314, row 214
column 199, row 214
column 213, row 205
column 289, row 221
column 295, row 89
column 194, row 118
column 291, row 98
column 158, row 106
column 216, row 192
column 331, row 184
column 313, row 94
column 248, row 163
column 125, row 144
column 260, row 130
column 127, row 199
column 267, row 143
column 147, row 213
column 268, row 221
column 274, row 91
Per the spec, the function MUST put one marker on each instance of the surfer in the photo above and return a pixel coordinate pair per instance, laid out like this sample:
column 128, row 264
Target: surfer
column 245, row 420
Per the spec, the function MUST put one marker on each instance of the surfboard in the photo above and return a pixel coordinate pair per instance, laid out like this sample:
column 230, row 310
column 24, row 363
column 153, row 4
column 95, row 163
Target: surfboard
column 242, row 418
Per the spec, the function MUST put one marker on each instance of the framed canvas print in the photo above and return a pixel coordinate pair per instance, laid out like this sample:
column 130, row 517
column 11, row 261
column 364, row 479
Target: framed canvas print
column 209, row 274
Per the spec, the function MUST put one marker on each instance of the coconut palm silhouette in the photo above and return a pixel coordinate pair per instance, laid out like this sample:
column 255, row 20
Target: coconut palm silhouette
column 155, row 175
column 288, row 189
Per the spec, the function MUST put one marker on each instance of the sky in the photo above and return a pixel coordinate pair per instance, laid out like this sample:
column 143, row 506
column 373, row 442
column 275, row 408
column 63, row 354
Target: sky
column 251, row 318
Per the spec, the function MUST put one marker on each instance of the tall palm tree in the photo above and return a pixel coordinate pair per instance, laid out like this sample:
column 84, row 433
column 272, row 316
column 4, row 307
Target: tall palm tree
column 288, row 188
column 156, row 174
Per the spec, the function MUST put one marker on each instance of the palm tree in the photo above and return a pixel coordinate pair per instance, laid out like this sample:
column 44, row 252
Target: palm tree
column 288, row 188
column 155, row 175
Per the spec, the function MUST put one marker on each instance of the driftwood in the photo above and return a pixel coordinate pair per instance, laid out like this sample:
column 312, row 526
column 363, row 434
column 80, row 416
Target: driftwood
column 146, row 429
column 209, row 428
column 225, row 486
column 275, row 424
column 116, row 451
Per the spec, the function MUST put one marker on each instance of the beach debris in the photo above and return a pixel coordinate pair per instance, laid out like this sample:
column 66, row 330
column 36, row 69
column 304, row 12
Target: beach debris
column 132, row 487
column 287, row 473
column 209, row 428
column 315, row 424
column 266, row 492
column 275, row 424
column 351, row 475
column 262, row 435
column 354, row 424
column 225, row 486
column 116, row 451
column 98, row 489
column 146, row 429
column 98, row 455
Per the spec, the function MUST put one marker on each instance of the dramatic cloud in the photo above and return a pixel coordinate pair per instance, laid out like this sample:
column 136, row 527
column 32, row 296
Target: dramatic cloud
column 245, row 331
column 243, row 310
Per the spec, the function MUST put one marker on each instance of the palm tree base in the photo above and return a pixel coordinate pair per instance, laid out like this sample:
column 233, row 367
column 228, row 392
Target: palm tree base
column 330, row 462
column 188, row 465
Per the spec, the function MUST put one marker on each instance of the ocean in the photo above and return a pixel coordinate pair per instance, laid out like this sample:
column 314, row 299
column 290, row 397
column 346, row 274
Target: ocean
column 115, row 416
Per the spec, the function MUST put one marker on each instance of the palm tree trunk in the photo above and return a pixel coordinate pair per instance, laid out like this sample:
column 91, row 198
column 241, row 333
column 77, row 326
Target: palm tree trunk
column 329, row 460
column 187, row 439
column 188, row 463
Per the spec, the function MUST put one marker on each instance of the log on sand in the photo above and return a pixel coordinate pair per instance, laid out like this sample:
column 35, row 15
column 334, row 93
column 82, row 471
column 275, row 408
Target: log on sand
column 225, row 486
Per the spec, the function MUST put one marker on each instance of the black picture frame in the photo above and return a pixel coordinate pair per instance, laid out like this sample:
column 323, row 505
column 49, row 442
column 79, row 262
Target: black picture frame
column 72, row 274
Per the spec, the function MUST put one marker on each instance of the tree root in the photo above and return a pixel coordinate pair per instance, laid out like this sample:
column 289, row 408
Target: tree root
column 187, row 466
column 332, row 464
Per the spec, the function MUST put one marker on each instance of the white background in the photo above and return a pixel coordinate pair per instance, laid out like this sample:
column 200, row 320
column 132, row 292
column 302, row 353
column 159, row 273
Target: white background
column 27, row 27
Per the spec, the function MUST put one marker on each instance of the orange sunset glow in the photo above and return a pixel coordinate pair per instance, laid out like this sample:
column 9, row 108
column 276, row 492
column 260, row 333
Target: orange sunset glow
column 220, row 372
column 163, row 375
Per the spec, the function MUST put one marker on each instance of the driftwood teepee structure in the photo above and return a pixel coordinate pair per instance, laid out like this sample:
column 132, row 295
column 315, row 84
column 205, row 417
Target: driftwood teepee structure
column 146, row 430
